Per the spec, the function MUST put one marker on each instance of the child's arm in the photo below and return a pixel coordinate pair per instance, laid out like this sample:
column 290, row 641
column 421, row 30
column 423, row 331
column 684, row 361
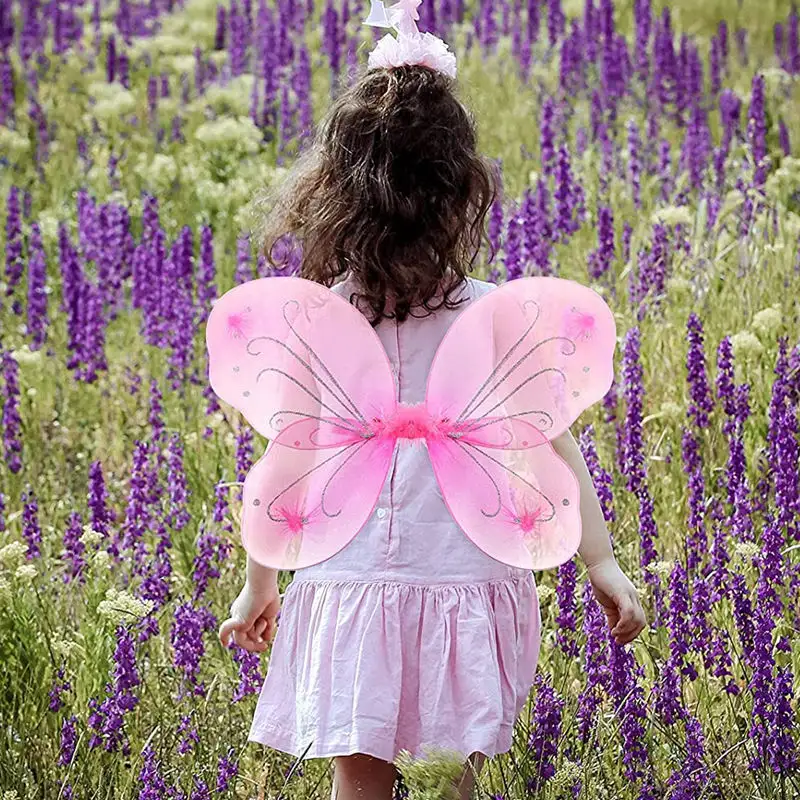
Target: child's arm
column 252, row 617
column 613, row 590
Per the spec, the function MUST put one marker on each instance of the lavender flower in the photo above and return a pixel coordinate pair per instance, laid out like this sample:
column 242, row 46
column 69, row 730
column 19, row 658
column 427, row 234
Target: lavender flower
column 250, row 678
column 543, row 743
column 627, row 691
column 547, row 136
column 206, row 288
column 189, row 736
column 11, row 422
column 566, row 618
column 633, row 391
column 569, row 197
column 595, row 662
column 693, row 467
column 634, row 163
column 59, row 687
column 14, row 262
column 757, row 130
column 212, row 551
column 31, row 531
column 678, row 620
column 177, row 515
column 100, row 516
column 187, row 643
column 107, row 719
column 699, row 391
column 244, row 266
column 152, row 784
column 227, row 770
column 513, row 247
column 37, row 297
column 601, row 478
column 601, row 258
column 69, row 741
column 693, row 771
column 783, row 752
column 74, row 549
column 669, row 700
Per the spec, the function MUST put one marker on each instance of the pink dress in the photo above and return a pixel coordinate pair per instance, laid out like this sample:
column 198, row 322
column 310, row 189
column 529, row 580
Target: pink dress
column 410, row 636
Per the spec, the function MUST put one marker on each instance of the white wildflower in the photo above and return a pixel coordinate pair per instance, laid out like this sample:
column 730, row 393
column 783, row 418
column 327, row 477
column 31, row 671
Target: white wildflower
column 13, row 143
column 12, row 554
column 168, row 44
column 210, row 194
column 161, row 172
column 661, row 568
column 182, row 64
column 746, row 345
column 123, row 607
column 25, row 572
column 239, row 134
column 745, row 550
column 202, row 30
column 48, row 224
column 674, row 215
column 768, row 321
column 5, row 590
column 24, row 355
column 90, row 537
column 774, row 79
column 64, row 647
column 544, row 593
column 101, row 559
column 234, row 96
column 116, row 105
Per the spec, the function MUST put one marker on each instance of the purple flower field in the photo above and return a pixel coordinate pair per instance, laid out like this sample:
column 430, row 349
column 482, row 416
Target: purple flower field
column 649, row 149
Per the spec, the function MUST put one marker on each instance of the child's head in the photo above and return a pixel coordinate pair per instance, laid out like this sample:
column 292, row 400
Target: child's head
column 392, row 190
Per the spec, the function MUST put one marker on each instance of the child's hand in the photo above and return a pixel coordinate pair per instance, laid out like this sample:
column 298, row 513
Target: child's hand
column 252, row 619
column 619, row 599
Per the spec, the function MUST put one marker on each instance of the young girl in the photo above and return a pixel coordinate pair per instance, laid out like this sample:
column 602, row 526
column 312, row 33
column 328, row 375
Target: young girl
column 410, row 635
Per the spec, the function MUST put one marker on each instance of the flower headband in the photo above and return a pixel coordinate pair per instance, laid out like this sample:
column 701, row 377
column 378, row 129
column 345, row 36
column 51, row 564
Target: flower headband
column 410, row 46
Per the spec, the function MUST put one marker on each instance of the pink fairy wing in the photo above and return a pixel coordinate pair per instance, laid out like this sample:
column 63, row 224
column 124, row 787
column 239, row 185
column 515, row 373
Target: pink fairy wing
column 520, row 506
column 303, row 506
column 536, row 349
column 307, row 371
column 514, row 371
column 286, row 349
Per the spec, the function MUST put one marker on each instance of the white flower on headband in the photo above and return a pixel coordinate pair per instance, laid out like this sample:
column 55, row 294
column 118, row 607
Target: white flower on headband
column 410, row 46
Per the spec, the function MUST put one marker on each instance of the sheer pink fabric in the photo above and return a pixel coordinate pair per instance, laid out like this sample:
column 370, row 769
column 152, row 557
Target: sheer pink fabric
column 514, row 372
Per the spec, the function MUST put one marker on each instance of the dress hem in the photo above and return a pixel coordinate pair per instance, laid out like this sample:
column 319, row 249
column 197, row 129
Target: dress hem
column 276, row 739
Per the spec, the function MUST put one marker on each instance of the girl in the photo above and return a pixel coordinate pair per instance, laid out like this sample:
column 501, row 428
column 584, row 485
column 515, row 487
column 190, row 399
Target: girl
column 410, row 635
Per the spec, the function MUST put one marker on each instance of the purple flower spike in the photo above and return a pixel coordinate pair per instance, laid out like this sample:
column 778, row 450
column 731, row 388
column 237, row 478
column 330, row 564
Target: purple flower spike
column 37, row 297
column 11, row 420
column 701, row 402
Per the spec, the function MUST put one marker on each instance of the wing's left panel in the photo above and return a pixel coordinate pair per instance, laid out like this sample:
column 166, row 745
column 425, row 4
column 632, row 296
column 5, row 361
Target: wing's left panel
column 286, row 349
column 308, row 372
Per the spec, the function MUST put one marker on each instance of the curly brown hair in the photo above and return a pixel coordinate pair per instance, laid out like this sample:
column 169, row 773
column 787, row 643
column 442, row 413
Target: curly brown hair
column 390, row 190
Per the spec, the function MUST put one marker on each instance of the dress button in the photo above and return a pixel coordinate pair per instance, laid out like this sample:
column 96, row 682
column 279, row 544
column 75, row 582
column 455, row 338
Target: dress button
column 381, row 513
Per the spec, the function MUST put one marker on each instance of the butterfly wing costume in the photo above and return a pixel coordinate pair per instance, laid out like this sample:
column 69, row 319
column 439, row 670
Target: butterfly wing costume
column 513, row 372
